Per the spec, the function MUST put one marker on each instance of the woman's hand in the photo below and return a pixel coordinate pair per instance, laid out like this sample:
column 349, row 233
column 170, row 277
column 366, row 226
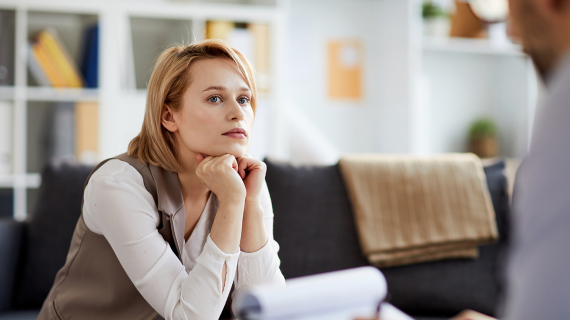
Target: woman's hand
column 220, row 175
column 254, row 235
column 252, row 171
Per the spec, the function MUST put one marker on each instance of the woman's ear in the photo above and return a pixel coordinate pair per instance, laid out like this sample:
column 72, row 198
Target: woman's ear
column 167, row 119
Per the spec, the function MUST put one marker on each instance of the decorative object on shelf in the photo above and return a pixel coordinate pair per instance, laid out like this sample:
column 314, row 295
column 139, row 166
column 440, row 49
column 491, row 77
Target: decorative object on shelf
column 345, row 69
column 7, row 33
column 54, row 61
column 483, row 138
column 436, row 21
column 60, row 132
column 493, row 14
column 465, row 23
column 5, row 137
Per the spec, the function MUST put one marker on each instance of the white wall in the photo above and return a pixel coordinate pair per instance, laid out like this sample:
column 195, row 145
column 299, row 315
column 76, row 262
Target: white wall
column 465, row 87
column 380, row 121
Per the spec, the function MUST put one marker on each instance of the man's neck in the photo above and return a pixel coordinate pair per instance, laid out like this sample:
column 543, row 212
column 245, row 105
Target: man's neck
column 563, row 62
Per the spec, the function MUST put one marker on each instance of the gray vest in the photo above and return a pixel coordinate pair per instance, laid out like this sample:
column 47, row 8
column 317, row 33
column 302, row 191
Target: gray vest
column 92, row 284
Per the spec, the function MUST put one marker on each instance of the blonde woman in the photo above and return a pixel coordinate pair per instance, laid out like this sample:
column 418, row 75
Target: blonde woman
column 168, row 227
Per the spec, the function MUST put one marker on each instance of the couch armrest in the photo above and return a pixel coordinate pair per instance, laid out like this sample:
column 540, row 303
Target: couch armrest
column 11, row 238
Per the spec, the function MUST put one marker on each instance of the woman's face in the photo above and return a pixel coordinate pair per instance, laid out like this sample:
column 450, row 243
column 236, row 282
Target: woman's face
column 216, row 116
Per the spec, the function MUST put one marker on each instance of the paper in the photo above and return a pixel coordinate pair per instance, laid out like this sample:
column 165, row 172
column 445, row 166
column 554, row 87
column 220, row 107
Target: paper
column 338, row 295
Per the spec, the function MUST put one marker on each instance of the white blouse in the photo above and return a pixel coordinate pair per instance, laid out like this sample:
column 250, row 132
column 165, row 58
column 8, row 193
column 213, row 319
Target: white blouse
column 118, row 206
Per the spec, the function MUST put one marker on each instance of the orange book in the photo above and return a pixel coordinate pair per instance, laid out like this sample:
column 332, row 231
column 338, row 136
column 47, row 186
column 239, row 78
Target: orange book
column 86, row 131
column 61, row 58
column 48, row 67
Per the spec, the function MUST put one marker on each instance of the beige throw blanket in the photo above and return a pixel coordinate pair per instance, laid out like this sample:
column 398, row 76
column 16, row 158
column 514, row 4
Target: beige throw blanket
column 410, row 209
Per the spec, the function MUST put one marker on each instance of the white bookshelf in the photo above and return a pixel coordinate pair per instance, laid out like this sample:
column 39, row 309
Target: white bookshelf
column 121, row 105
column 461, row 80
column 471, row 46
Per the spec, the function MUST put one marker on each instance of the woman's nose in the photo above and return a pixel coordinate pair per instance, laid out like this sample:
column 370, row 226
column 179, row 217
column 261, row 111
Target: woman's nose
column 236, row 112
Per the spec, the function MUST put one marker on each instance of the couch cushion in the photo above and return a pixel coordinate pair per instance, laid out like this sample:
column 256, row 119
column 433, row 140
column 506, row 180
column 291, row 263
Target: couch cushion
column 20, row 315
column 315, row 229
column 313, row 220
column 50, row 230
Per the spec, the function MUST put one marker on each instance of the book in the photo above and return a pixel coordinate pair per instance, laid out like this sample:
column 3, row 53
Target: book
column 261, row 55
column 86, row 132
column 219, row 29
column 35, row 68
column 48, row 66
column 340, row 295
column 90, row 62
column 58, row 54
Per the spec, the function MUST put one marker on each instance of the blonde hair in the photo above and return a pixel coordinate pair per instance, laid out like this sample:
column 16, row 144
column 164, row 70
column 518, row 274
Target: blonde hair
column 168, row 82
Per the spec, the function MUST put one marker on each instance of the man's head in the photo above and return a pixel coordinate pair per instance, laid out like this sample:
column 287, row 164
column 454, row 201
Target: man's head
column 543, row 26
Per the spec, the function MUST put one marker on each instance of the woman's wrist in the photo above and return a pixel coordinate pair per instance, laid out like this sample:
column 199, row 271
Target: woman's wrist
column 253, row 204
column 254, row 235
column 233, row 200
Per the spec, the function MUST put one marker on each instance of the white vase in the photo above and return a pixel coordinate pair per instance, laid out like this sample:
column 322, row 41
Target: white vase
column 436, row 27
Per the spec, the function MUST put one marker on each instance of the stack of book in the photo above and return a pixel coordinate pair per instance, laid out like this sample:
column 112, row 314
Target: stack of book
column 52, row 65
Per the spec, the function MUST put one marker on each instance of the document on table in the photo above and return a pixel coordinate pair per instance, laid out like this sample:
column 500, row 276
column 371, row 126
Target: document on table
column 340, row 295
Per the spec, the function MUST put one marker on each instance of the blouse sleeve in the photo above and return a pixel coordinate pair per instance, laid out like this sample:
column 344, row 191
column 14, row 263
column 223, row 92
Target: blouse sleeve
column 117, row 206
column 262, row 266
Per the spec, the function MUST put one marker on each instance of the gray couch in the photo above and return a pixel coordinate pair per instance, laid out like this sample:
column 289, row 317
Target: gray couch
column 313, row 225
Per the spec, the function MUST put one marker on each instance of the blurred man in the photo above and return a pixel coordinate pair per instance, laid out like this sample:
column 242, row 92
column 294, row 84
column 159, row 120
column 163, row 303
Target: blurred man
column 539, row 263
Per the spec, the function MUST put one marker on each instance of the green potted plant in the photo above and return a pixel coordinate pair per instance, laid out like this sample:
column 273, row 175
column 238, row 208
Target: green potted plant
column 436, row 20
column 483, row 138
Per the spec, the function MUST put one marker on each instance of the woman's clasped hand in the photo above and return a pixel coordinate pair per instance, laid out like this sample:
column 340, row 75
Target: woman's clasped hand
column 233, row 180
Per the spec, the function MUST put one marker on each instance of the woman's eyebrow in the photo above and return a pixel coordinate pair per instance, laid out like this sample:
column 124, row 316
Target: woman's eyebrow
column 215, row 88
column 219, row 88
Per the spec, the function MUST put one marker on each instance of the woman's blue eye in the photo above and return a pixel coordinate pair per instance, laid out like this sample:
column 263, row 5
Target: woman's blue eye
column 214, row 99
column 242, row 100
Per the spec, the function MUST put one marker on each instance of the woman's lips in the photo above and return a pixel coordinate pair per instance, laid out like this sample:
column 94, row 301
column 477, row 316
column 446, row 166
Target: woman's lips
column 237, row 133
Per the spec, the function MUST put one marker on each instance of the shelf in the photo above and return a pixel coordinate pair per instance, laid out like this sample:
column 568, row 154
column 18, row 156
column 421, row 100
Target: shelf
column 61, row 94
column 7, row 93
column 471, row 46
column 30, row 180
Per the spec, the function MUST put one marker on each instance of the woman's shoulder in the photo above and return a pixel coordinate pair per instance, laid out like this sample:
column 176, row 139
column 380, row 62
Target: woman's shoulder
column 117, row 170
column 116, row 192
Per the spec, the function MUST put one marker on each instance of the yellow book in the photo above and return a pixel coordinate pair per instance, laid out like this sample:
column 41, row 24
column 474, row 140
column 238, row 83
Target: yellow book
column 219, row 29
column 261, row 55
column 64, row 64
column 47, row 65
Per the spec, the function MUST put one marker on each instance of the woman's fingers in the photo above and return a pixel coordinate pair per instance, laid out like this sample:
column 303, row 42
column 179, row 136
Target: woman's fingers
column 199, row 158
column 247, row 165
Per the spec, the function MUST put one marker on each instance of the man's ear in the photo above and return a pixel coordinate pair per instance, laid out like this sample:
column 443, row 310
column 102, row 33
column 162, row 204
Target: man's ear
column 167, row 119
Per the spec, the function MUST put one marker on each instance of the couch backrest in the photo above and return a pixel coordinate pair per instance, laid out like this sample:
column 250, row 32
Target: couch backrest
column 316, row 233
column 49, row 232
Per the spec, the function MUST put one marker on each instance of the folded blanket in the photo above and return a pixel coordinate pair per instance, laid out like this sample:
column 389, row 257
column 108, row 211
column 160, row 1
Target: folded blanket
column 410, row 209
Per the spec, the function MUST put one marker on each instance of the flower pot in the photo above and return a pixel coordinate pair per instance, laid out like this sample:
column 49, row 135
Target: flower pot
column 485, row 147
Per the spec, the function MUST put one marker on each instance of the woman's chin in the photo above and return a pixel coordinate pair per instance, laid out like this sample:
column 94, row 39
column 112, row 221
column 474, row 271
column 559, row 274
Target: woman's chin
column 236, row 152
